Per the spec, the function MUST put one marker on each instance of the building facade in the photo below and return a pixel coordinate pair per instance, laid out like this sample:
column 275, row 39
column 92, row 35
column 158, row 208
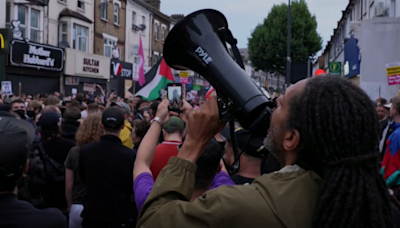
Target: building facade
column 160, row 29
column 109, row 28
column 33, row 65
column 138, row 15
column 365, row 25
column 70, row 24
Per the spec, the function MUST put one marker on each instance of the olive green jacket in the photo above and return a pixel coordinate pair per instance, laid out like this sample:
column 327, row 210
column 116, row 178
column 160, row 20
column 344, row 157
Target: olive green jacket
column 275, row 200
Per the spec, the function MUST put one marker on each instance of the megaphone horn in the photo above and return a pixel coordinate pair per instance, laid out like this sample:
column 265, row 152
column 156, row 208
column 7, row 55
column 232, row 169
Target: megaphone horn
column 198, row 43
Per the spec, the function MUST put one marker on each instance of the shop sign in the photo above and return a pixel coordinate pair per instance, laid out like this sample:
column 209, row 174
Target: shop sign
column 119, row 69
column 35, row 55
column 4, row 40
column 86, row 65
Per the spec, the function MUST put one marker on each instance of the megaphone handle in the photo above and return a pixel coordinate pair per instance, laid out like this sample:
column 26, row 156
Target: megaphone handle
column 233, row 42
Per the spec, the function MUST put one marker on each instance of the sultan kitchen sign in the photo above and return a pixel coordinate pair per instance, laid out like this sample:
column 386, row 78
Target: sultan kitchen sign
column 34, row 55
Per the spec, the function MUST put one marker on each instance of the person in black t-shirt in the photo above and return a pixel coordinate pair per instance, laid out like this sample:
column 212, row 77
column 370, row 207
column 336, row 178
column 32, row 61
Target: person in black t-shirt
column 246, row 166
column 16, row 137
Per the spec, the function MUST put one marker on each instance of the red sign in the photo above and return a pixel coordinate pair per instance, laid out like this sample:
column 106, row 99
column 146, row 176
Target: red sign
column 184, row 80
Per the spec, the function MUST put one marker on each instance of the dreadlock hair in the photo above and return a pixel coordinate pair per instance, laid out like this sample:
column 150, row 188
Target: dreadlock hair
column 338, row 126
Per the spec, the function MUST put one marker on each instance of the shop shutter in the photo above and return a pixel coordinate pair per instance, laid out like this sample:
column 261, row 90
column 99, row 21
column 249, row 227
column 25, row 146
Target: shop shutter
column 34, row 84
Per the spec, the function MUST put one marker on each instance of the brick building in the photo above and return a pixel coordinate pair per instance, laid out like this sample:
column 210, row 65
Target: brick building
column 109, row 28
column 160, row 28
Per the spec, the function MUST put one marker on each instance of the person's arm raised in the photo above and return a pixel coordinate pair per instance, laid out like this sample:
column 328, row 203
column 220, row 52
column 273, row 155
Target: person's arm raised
column 148, row 145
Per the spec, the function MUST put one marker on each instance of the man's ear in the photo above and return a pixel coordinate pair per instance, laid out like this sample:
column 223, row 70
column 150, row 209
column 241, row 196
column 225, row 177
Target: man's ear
column 291, row 140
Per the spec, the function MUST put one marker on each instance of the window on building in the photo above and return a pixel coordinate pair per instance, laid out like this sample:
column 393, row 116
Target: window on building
column 8, row 14
column 116, row 12
column 22, row 17
column 81, row 4
column 143, row 20
column 63, row 32
column 108, row 47
column 30, row 23
column 34, row 29
column 133, row 17
column 135, row 59
column 80, row 38
column 163, row 33
column 103, row 9
column 156, row 31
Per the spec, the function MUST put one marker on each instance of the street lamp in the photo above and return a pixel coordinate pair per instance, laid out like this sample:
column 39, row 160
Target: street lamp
column 288, row 59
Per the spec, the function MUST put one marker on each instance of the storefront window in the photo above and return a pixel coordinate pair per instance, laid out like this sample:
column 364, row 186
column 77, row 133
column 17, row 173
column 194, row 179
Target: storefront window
column 80, row 38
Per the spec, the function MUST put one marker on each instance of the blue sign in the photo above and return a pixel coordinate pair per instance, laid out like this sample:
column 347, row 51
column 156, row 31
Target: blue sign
column 352, row 58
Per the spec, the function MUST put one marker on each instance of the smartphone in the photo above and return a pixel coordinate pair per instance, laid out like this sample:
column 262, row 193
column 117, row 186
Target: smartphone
column 174, row 95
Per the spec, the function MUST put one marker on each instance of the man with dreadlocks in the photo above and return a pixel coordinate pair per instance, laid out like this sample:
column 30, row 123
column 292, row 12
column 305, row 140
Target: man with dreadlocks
column 324, row 132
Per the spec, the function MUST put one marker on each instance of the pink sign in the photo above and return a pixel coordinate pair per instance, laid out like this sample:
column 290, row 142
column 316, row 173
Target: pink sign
column 394, row 79
column 184, row 80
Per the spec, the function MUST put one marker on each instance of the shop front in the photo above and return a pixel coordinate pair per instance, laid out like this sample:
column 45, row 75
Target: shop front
column 34, row 68
column 121, row 78
column 83, row 71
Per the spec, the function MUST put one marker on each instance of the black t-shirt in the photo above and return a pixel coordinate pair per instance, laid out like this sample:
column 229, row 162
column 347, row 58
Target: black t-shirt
column 72, row 163
column 240, row 180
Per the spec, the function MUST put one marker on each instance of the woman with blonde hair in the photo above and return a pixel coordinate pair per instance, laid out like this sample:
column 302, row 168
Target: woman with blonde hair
column 89, row 131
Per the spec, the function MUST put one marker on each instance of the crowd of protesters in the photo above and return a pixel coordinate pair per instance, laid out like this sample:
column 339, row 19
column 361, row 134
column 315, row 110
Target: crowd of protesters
column 111, row 162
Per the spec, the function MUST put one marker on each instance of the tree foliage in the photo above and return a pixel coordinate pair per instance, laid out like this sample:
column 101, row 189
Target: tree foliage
column 267, row 44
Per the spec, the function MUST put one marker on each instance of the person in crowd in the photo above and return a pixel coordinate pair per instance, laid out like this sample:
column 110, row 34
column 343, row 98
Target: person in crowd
column 70, row 123
column 391, row 160
column 106, row 170
column 93, row 108
column 89, row 131
column 386, row 132
column 207, row 165
column 52, row 100
column 53, row 150
column 153, row 109
column 33, row 108
column 382, row 116
column 51, row 108
column 173, row 133
column 324, row 134
column 245, row 166
column 79, row 98
column 125, row 135
column 18, row 107
column 139, row 130
column 16, row 137
column 5, row 107
column 142, row 106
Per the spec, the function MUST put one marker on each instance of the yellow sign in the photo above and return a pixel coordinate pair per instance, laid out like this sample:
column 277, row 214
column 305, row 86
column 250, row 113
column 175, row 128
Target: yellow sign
column 4, row 40
column 394, row 70
column 1, row 41
column 184, row 74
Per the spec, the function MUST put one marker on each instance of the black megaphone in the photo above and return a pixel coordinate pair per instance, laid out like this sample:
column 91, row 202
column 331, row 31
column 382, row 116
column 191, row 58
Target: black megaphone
column 198, row 42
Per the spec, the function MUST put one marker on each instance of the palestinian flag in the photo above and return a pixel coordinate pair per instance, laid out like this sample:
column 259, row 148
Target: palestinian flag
column 157, row 78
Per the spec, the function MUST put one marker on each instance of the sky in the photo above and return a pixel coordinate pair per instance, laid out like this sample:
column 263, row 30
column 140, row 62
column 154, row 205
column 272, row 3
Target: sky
column 244, row 15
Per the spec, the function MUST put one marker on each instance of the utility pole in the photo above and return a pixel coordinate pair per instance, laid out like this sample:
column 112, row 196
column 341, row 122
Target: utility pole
column 288, row 59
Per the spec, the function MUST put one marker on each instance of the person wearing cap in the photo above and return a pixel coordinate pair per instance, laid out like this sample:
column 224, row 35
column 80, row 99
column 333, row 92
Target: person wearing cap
column 105, row 168
column 16, row 137
column 125, row 134
column 386, row 132
column 245, row 166
column 57, row 148
column 173, row 133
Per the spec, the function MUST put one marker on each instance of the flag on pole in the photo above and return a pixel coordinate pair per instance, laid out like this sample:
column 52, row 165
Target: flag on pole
column 161, row 75
column 142, row 78
column 209, row 92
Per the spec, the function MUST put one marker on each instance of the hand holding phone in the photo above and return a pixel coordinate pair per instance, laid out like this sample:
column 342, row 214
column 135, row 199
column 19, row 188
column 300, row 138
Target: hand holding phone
column 174, row 95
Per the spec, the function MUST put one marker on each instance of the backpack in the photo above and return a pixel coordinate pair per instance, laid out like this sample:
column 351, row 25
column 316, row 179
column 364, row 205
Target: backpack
column 43, row 171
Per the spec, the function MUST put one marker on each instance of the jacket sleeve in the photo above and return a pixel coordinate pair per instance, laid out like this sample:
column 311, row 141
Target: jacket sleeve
column 168, row 203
